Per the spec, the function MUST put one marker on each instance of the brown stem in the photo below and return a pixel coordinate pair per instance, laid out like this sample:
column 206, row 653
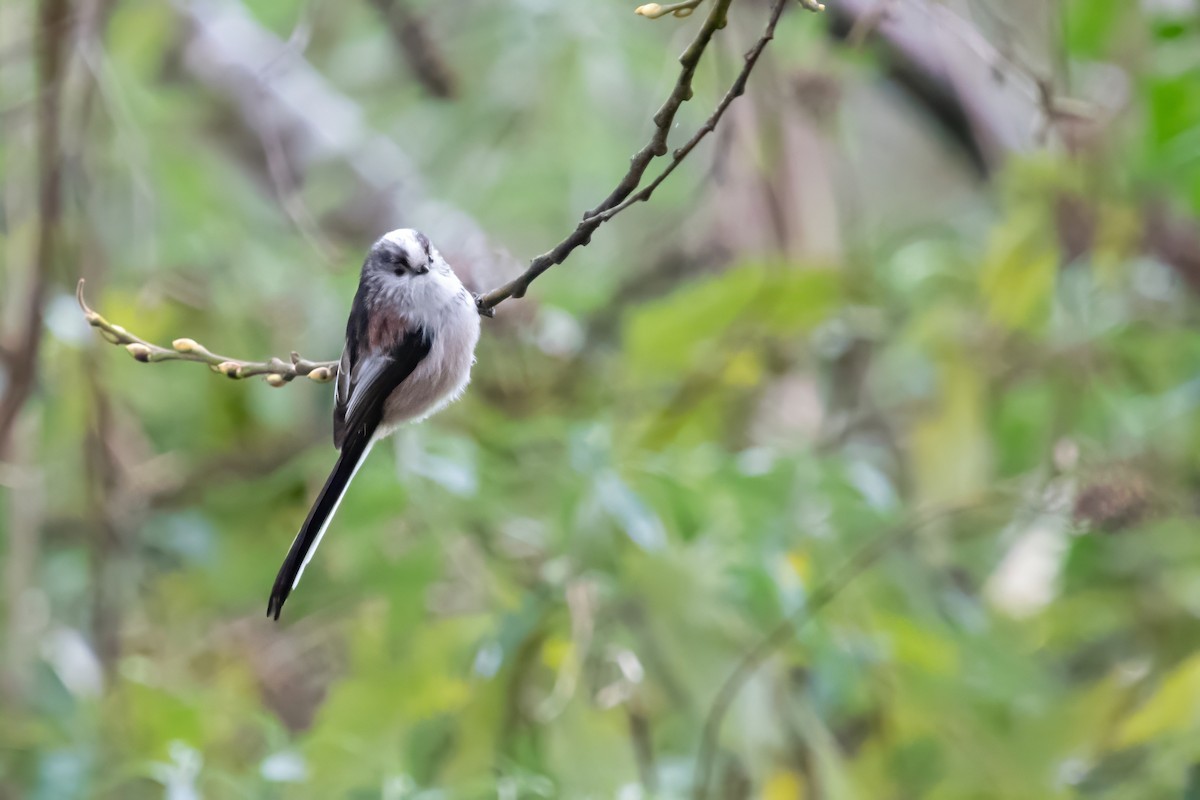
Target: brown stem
column 643, row 749
column 52, row 34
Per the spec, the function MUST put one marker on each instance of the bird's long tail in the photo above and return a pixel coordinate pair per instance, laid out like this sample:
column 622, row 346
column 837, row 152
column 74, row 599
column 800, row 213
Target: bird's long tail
column 354, row 452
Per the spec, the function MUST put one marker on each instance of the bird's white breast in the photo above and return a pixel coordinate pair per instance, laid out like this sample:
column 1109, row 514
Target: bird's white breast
column 441, row 306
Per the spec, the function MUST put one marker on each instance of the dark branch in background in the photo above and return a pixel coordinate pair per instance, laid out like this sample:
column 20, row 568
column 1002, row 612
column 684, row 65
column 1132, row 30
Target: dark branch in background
column 24, row 510
column 993, row 106
column 420, row 50
column 279, row 372
column 103, row 475
column 643, row 748
column 53, row 30
column 990, row 103
column 265, row 84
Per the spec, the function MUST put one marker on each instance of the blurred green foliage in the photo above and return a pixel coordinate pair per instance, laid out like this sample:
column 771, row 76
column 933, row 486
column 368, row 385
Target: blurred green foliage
column 540, row 592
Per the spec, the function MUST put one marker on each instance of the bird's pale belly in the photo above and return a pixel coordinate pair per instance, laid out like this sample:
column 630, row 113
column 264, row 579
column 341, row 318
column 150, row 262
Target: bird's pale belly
column 437, row 381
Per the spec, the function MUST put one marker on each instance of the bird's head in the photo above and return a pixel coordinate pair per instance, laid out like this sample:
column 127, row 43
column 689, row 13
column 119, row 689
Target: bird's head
column 404, row 253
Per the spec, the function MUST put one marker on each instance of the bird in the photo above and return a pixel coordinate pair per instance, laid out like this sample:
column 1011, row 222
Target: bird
column 410, row 345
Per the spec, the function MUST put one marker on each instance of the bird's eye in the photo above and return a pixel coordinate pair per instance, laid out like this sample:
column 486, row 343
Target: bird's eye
column 399, row 263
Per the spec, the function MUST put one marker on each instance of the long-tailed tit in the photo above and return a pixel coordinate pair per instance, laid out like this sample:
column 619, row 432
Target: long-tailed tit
column 410, row 343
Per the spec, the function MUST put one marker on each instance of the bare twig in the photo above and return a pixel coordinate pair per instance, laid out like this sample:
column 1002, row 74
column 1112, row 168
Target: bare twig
column 623, row 195
column 52, row 33
column 735, row 91
column 657, row 146
column 268, row 82
column 277, row 371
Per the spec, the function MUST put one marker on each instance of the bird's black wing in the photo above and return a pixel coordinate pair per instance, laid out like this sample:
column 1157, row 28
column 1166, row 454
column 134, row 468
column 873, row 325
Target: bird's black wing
column 353, row 354
column 371, row 380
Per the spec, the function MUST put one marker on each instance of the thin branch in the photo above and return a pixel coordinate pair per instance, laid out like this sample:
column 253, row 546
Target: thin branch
column 623, row 196
column 657, row 146
column 736, row 90
column 277, row 371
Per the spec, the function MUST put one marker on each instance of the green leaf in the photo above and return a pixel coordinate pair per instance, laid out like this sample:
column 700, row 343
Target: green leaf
column 1091, row 25
column 668, row 336
column 950, row 448
column 1173, row 709
column 1019, row 271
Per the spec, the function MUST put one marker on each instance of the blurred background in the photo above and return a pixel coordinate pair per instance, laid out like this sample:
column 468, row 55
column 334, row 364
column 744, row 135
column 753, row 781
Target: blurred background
column 862, row 462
